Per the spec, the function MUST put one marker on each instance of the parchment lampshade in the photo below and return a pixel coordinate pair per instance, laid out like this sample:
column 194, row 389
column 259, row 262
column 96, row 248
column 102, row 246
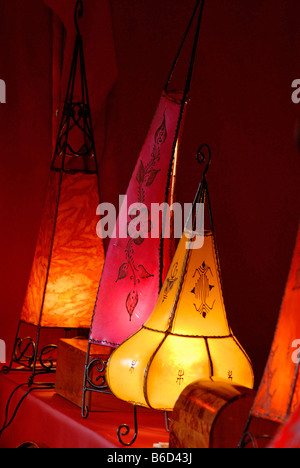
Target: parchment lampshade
column 64, row 277
column 278, row 395
column 131, row 278
column 187, row 337
column 69, row 255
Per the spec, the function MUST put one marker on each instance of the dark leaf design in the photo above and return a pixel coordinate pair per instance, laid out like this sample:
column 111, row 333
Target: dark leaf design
column 151, row 177
column 161, row 133
column 141, row 174
column 132, row 302
column 123, row 271
column 143, row 273
column 138, row 240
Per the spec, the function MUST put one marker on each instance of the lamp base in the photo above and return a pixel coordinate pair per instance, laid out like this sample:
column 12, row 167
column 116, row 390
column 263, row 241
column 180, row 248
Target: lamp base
column 70, row 372
column 35, row 351
column 124, row 429
column 258, row 433
column 94, row 375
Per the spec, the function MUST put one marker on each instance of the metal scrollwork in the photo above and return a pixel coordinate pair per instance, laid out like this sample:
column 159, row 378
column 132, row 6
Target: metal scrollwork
column 204, row 156
column 78, row 114
column 78, row 14
column 95, row 381
column 96, row 374
column 124, row 430
column 24, row 352
column 47, row 358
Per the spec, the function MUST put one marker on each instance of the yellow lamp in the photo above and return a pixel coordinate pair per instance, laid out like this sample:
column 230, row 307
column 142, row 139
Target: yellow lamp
column 187, row 336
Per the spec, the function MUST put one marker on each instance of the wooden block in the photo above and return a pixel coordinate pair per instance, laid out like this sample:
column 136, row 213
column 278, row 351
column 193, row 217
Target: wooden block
column 210, row 415
column 71, row 359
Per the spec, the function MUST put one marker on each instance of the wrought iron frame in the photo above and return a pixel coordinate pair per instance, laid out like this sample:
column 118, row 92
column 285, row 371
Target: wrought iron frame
column 124, row 429
column 37, row 362
column 97, row 384
column 75, row 116
column 249, row 438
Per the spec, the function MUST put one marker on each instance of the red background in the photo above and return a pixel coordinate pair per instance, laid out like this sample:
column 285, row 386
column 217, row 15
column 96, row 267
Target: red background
column 248, row 56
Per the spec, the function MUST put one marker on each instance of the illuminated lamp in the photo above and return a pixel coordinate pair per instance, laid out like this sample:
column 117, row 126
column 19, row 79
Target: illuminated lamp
column 278, row 395
column 69, row 256
column 136, row 265
column 187, row 337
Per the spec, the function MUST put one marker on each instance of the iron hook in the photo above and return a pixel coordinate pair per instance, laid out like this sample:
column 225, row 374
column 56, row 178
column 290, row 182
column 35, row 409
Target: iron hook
column 202, row 157
column 78, row 14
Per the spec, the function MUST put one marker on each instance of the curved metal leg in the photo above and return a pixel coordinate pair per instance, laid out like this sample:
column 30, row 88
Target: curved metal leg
column 123, row 433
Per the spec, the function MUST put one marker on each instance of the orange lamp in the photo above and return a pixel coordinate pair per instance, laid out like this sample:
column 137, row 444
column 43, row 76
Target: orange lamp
column 278, row 395
column 69, row 256
column 187, row 337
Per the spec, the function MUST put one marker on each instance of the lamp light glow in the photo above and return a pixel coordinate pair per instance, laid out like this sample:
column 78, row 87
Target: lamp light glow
column 69, row 256
column 187, row 337
column 134, row 268
column 64, row 278
column 279, row 391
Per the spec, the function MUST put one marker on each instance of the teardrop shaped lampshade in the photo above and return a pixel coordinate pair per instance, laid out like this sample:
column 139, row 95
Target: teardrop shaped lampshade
column 186, row 338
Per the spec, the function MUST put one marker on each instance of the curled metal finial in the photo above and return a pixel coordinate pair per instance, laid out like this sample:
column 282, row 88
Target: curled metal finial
column 78, row 14
column 204, row 156
column 124, row 430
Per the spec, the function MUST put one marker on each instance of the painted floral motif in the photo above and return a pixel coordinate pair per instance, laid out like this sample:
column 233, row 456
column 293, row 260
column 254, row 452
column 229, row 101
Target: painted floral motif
column 139, row 226
column 202, row 289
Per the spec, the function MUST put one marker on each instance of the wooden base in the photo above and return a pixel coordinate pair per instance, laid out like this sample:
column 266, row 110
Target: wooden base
column 71, row 359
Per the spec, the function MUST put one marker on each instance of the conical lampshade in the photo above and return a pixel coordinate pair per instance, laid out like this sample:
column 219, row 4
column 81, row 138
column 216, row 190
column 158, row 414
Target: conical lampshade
column 279, row 393
column 187, row 336
column 130, row 282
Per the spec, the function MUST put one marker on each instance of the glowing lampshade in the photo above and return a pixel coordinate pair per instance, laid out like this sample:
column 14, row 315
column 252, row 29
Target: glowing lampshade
column 130, row 282
column 279, row 393
column 187, row 337
column 64, row 278
column 69, row 256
